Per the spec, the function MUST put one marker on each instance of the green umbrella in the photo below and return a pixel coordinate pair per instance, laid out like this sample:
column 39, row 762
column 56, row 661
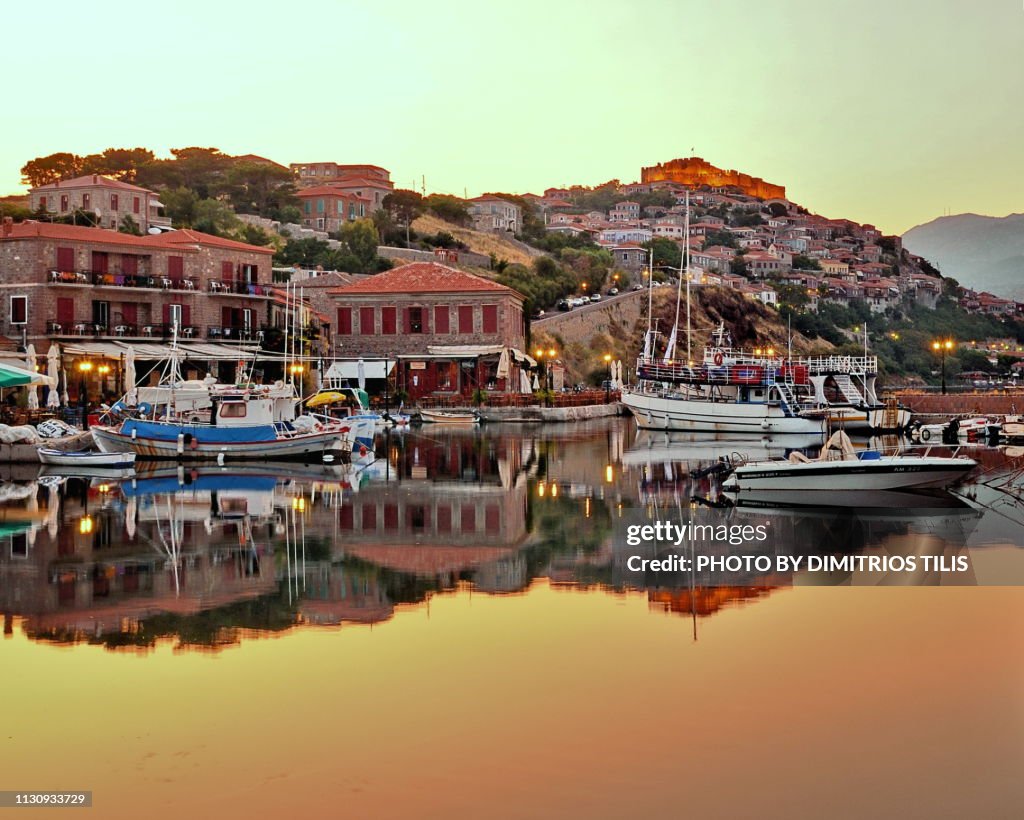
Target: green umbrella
column 11, row 376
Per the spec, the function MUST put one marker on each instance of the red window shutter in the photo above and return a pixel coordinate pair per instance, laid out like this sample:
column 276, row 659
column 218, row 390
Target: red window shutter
column 490, row 318
column 186, row 315
column 468, row 515
column 345, row 321
column 175, row 267
column 227, row 271
column 167, row 314
column 113, row 202
column 369, row 521
column 130, row 313
column 345, row 517
column 65, row 259
column 406, row 320
column 441, row 319
column 388, row 320
column 65, row 310
column 136, row 205
column 225, row 317
column 465, row 318
column 99, row 261
column 366, row 327
column 444, row 519
column 129, row 265
column 391, row 516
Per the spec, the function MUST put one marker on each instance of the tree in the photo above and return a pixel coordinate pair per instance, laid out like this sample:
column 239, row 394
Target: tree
column 180, row 205
column 404, row 206
column 448, row 208
column 801, row 262
column 259, row 188
column 129, row 225
column 44, row 170
column 667, row 254
column 117, row 163
column 724, row 238
column 361, row 240
column 215, row 217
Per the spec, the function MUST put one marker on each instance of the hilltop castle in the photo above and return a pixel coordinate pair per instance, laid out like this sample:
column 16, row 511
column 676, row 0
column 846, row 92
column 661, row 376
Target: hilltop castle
column 694, row 172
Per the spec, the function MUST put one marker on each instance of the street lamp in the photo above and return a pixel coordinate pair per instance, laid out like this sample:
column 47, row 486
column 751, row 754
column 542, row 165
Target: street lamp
column 608, row 380
column 943, row 347
column 550, row 355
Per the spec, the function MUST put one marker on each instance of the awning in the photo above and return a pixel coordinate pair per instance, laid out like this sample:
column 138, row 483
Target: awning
column 520, row 358
column 349, row 369
column 11, row 376
column 465, row 350
column 144, row 350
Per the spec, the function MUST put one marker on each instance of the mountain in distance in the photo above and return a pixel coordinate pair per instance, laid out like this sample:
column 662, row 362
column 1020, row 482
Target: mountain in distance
column 980, row 252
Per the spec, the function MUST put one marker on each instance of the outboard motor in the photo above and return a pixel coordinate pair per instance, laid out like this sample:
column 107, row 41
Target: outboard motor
column 951, row 433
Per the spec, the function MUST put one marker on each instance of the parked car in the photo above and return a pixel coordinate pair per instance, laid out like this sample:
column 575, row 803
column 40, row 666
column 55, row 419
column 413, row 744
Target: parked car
column 613, row 291
column 565, row 304
column 596, row 297
column 638, row 286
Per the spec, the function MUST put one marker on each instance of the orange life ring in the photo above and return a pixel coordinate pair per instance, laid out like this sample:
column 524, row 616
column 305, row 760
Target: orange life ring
column 719, row 358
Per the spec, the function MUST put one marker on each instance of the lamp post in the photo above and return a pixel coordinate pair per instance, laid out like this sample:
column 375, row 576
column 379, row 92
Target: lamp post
column 550, row 355
column 608, row 379
column 943, row 347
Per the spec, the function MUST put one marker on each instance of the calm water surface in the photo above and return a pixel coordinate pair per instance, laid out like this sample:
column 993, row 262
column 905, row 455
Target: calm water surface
column 452, row 631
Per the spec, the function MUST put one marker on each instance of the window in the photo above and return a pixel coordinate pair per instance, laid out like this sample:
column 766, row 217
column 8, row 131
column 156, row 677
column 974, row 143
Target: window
column 42, row 203
column 86, row 201
column 63, row 202
column 442, row 318
column 101, row 314
column 176, row 267
column 113, row 202
column 366, row 322
column 345, row 321
column 490, row 318
column 233, row 410
column 319, row 206
column 65, row 259
column 136, row 205
column 307, row 206
column 467, row 514
column 415, row 320
column 388, row 320
column 19, row 310
column 369, row 517
column 465, row 318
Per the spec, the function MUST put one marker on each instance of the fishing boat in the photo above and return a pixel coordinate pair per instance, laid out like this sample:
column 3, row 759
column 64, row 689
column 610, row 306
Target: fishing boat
column 448, row 417
column 840, row 467
column 86, row 458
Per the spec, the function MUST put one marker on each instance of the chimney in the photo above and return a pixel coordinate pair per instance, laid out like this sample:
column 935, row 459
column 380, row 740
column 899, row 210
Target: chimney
column 95, row 179
column 8, row 226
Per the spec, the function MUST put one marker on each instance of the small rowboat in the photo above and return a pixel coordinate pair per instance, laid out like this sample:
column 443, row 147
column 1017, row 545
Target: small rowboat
column 442, row 417
column 86, row 458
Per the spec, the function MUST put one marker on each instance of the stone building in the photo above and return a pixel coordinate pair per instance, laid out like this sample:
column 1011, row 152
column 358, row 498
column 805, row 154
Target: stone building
column 494, row 214
column 694, row 172
column 327, row 208
column 449, row 332
column 110, row 199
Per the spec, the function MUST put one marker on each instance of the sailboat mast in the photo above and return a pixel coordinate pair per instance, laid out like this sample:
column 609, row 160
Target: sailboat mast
column 686, row 268
column 648, row 340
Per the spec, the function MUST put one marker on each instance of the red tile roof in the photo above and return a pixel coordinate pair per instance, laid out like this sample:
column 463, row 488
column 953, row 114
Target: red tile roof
column 187, row 236
column 423, row 277
column 80, row 233
column 361, row 182
column 90, row 180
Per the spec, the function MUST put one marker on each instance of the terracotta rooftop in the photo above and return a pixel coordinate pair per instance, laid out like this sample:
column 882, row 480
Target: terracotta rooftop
column 328, row 190
column 79, row 233
column 187, row 236
column 424, row 277
column 90, row 180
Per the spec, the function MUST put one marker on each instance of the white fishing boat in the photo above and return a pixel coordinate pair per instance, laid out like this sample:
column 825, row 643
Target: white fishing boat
column 448, row 417
column 86, row 458
column 840, row 467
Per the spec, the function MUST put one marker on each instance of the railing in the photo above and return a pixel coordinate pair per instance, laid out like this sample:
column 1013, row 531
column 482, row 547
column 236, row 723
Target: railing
column 232, row 333
column 232, row 287
column 761, row 373
column 149, row 330
column 565, row 399
column 123, row 280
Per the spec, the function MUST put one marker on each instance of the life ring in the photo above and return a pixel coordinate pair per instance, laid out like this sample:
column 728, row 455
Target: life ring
column 362, row 450
column 925, row 434
column 719, row 358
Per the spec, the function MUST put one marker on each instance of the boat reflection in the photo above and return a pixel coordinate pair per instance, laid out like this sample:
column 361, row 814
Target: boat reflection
column 204, row 557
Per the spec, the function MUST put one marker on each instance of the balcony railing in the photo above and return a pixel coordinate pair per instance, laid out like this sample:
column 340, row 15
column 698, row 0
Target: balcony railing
column 123, row 280
column 150, row 330
column 232, row 287
column 232, row 333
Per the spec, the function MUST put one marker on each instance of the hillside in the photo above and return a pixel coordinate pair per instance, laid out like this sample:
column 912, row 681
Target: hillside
column 479, row 242
column 981, row 252
column 582, row 344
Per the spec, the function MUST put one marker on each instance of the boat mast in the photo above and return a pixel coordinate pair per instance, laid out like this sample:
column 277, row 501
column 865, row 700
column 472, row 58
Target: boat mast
column 648, row 338
column 686, row 266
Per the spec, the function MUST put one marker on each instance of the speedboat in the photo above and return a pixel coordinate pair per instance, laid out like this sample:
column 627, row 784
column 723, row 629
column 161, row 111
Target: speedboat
column 840, row 467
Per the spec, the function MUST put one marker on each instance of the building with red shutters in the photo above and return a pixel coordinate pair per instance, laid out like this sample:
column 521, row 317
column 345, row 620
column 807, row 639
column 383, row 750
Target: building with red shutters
column 442, row 331
column 109, row 199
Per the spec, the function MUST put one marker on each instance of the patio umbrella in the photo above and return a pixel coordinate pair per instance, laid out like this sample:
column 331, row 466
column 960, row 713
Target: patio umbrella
column 64, row 398
column 53, row 372
column 30, row 361
column 524, row 382
column 361, row 374
column 131, row 394
column 330, row 397
column 503, row 364
column 11, row 376
column 536, row 382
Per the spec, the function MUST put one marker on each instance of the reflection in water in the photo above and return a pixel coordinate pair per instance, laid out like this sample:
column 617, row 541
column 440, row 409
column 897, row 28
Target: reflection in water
column 204, row 557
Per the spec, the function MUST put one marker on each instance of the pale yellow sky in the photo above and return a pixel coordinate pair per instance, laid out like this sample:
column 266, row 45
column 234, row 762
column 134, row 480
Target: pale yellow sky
column 882, row 112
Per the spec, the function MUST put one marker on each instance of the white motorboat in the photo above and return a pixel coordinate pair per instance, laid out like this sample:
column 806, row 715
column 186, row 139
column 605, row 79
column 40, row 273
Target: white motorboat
column 86, row 458
column 840, row 467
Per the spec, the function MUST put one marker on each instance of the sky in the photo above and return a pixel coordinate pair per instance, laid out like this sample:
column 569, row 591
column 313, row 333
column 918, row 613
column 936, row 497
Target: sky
column 891, row 113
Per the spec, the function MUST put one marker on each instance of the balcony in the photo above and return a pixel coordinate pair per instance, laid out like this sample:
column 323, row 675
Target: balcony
column 233, row 287
column 94, row 330
column 123, row 280
column 233, row 333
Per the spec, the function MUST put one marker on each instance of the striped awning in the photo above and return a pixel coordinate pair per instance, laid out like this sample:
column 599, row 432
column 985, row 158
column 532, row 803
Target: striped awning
column 145, row 350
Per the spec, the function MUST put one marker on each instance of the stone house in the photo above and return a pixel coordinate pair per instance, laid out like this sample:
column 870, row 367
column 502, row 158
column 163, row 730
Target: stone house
column 110, row 199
